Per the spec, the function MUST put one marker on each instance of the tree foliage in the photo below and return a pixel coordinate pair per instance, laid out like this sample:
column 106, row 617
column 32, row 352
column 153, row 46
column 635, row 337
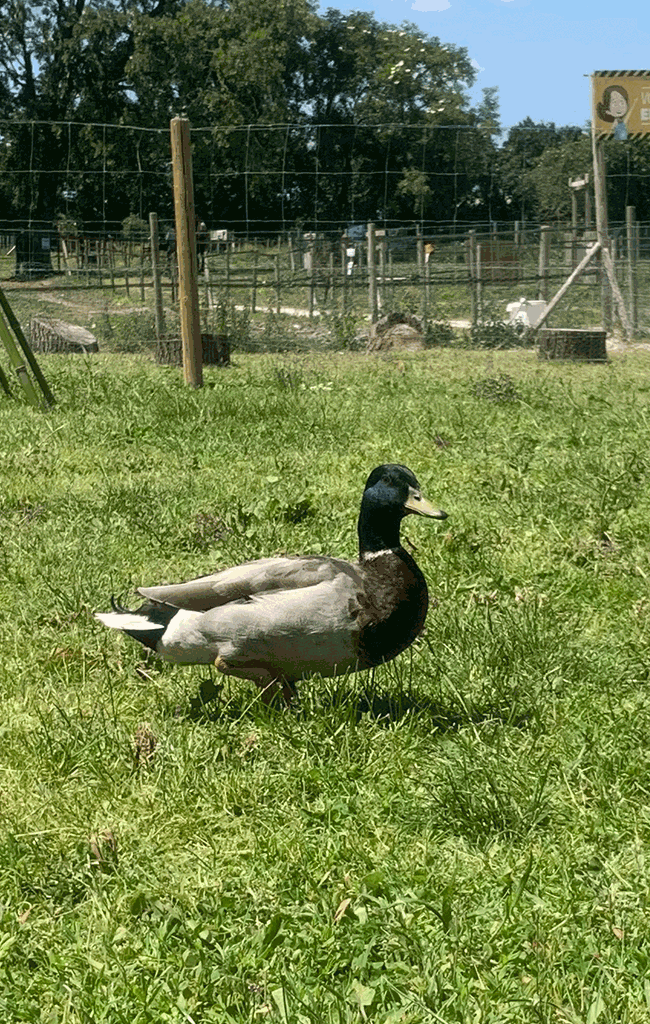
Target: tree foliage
column 372, row 121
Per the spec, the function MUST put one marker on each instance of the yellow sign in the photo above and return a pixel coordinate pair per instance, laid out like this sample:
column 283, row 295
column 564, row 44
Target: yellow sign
column 620, row 103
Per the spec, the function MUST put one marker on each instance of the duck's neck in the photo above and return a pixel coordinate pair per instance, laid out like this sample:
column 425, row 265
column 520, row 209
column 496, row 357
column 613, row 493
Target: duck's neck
column 377, row 532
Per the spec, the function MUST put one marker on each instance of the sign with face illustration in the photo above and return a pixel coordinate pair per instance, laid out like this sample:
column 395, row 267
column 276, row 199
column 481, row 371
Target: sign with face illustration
column 621, row 103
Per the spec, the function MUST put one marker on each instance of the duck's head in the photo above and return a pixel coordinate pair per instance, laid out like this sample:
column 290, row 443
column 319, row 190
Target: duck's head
column 391, row 492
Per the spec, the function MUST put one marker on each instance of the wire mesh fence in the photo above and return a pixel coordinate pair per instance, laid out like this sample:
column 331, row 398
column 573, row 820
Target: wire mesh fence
column 458, row 271
column 463, row 277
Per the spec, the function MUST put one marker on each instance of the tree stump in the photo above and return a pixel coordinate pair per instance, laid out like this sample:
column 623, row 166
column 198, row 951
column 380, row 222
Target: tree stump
column 49, row 335
column 216, row 350
column 395, row 330
column 586, row 346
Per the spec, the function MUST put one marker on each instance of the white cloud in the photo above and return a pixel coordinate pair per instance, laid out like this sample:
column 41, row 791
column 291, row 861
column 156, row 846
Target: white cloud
column 475, row 64
column 430, row 5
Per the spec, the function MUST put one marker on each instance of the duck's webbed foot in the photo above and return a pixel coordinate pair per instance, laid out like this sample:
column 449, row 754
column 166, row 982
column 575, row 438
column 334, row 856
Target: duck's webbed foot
column 262, row 678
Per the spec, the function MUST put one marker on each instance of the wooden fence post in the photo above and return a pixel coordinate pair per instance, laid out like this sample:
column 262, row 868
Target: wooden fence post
column 278, row 284
column 311, row 252
column 344, row 272
column 142, row 291
column 155, row 271
column 254, row 286
column 372, row 275
column 332, row 280
column 471, row 264
column 544, row 255
column 631, row 231
column 188, row 290
column 382, row 270
column 29, row 355
column 479, row 283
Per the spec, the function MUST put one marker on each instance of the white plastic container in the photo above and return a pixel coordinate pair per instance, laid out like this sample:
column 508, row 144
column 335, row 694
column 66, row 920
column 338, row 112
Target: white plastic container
column 525, row 311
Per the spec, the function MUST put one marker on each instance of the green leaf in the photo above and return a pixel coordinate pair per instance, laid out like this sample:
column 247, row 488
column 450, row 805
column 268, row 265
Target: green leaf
column 595, row 1010
column 270, row 936
column 363, row 994
column 279, row 997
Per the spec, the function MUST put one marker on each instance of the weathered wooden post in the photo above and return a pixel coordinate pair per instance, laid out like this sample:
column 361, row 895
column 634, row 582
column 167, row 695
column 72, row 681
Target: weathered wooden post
column 332, row 279
column 427, row 279
column 382, row 268
column 479, row 283
column 632, row 279
column 278, row 284
column 544, row 255
column 600, row 195
column 29, row 355
column 254, row 287
column 311, row 253
column 227, row 267
column 188, row 290
column 344, row 272
column 155, row 271
column 142, row 291
column 602, row 228
column 372, row 275
column 420, row 248
column 471, row 264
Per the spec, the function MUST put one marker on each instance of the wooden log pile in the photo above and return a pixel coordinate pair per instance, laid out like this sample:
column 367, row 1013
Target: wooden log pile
column 571, row 343
column 216, row 350
column 50, row 335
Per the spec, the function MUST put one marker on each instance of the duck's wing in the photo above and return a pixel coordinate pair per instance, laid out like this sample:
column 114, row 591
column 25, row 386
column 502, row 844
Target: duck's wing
column 245, row 581
column 281, row 634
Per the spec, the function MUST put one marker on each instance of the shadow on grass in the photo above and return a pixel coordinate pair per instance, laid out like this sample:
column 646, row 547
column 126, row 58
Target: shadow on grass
column 341, row 702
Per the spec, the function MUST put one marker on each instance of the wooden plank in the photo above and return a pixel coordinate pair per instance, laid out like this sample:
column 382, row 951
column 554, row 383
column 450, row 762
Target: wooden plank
column 24, row 344
column 567, row 284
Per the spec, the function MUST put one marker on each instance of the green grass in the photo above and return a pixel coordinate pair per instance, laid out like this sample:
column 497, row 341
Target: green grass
column 462, row 836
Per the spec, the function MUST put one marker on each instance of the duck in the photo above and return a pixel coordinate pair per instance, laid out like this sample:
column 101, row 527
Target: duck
column 277, row 620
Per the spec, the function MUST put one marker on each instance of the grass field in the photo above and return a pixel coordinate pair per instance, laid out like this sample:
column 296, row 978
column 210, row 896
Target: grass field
column 462, row 836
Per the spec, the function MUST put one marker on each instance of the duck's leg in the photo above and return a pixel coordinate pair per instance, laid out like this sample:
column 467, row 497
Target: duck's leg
column 262, row 678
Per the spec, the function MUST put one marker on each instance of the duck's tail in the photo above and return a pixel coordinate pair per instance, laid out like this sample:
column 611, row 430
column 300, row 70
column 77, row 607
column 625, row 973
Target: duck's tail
column 146, row 624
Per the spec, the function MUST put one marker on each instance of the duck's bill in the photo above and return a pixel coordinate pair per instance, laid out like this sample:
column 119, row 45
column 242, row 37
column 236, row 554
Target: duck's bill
column 419, row 505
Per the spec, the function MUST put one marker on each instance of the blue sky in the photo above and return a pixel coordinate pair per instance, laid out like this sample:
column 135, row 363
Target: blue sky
column 536, row 51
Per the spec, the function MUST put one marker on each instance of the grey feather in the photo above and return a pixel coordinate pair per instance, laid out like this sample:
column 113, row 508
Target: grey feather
column 293, row 632
column 244, row 581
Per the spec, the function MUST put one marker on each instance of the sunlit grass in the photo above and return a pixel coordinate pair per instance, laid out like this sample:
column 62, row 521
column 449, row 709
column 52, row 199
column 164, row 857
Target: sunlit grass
column 460, row 836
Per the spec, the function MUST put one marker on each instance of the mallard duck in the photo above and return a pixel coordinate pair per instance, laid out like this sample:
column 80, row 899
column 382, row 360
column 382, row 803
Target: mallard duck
column 276, row 620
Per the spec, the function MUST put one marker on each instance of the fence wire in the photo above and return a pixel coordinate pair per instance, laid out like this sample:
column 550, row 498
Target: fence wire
column 283, row 211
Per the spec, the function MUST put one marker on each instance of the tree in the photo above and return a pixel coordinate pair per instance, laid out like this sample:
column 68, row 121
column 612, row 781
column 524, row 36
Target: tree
column 548, row 180
column 627, row 170
column 519, row 155
column 378, row 97
column 64, row 61
column 373, row 120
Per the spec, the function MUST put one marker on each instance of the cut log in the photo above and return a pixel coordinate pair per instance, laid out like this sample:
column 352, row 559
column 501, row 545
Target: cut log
column 395, row 330
column 216, row 350
column 49, row 335
column 587, row 346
